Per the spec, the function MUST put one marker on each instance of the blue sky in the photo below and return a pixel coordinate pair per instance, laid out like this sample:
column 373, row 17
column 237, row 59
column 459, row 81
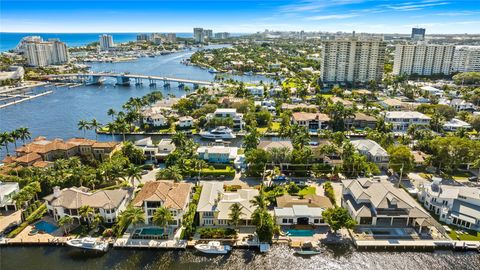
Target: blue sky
column 383, row 16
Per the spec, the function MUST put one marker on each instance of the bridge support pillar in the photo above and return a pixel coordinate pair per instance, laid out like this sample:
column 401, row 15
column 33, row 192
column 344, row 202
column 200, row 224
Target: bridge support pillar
column 121, row 80
column 181, row 85
column 152, row 83
column 93, row 80
column 138, row 81
column 195, row 86
column 166, row 84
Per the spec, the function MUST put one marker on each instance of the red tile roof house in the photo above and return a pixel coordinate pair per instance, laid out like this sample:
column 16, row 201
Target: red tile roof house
column 312, row 121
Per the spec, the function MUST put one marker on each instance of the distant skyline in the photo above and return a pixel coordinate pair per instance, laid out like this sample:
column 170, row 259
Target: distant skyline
column 244, row 16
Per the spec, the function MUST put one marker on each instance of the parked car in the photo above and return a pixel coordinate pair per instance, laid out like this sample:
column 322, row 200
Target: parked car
column 473, row 179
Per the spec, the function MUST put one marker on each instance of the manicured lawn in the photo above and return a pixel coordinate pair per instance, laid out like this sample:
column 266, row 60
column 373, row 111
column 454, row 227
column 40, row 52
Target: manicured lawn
column 470, row 236
column 307, row 191
column 426, row 175
column 240, row 151
column 461, row 176
column 327, row 95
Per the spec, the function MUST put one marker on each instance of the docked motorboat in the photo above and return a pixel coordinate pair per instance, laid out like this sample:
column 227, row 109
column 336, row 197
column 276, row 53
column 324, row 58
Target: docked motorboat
column 212, row 70
column 308, row 249
column 213, row 247
column 89, row 243
column 223, row 133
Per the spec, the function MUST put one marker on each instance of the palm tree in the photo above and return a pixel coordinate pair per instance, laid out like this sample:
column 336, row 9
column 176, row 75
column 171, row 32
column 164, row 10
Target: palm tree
column 131, row 215
column 97, row 219
column 65, row 222
column 235, row 214
column 15, row 136
column 83, row 125
column 86, row 212
column 122, row 127
column 134, row 172
column 111, row 128
column 5, row 139
column 162, row 217
column 111, row 112
column 94, row 124
column 259, row 200
column 24, row 134
column 172, row 172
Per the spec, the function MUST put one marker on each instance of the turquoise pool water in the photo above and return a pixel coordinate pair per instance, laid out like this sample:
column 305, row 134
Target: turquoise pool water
column 151, row 231
column 301, row 233
column 45, row 226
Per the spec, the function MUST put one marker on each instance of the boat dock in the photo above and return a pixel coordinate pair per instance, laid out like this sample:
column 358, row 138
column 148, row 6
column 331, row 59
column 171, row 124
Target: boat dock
column 150, row 243
column 24, row 97
column 416, row 244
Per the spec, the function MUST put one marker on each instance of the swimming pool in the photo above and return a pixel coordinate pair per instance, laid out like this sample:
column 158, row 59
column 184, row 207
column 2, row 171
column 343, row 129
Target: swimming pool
column 300, row 233
column 45, row 226
column 151, row 231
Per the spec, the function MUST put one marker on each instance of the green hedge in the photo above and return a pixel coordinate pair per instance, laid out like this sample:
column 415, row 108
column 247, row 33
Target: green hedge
column 329, row 192
column 189, row 217
column 217, row 233
column 227, row 172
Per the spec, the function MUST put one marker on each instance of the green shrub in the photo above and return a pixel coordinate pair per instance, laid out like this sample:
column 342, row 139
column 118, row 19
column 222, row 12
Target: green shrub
column 329, row 192
column 217, row 233
column 189, row 218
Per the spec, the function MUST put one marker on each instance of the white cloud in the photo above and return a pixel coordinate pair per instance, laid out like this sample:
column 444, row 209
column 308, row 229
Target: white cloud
column 331, row 17
column 316, row 5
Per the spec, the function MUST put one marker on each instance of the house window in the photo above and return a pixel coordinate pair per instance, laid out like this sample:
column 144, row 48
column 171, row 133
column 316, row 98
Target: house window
column 290, row 220
column 316, row 221
column 284, row 220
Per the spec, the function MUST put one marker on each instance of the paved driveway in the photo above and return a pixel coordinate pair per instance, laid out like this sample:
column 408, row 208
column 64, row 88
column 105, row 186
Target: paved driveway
column 8, row 218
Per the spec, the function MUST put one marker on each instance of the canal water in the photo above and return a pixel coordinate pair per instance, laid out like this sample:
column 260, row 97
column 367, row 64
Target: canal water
column 279, row 257
column 56, row 115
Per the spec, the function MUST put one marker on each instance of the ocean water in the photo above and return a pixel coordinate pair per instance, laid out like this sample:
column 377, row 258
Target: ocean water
column 9, row 41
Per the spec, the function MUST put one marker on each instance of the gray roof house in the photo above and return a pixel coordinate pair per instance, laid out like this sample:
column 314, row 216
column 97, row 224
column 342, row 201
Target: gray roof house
column 378, row 203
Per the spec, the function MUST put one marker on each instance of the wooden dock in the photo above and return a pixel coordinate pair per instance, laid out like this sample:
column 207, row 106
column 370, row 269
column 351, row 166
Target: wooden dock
column 417, row 244
column 25, row 98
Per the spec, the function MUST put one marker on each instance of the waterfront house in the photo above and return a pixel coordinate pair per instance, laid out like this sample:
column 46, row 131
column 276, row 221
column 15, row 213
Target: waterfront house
column 293, row 210
column 185, row 122
column 41, row 149
column 217, row 153
column 326, row 152
column 373, row 151
column 214, row 204
column 402, row 120
column 372, row 202
column 279, row 144
column 456, row 205
column 7, row 192
column 173, row 196
column 256, row 91
column 311, row 121
column 67, row 202
column 156, row 119
column 224, row 113
column 455, row 124
column 361, row 121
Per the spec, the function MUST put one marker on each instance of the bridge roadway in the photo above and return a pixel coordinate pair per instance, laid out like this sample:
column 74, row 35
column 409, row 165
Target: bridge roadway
column 132, row 76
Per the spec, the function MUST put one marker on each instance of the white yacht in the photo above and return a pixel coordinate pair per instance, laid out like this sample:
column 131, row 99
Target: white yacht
column 213, row 247
column 89, row 243
column 224, row 133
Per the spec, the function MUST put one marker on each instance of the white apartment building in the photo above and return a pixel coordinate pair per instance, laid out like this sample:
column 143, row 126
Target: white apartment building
column 106, row 42
column 423, row 59
column 352, row 60
column 44, row 53
column 456, row 205
column 7, row 192
column 466, row 59
column 198, row 35
column 402, row 120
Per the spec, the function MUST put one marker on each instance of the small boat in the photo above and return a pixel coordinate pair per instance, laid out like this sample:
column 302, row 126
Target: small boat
column 218, row 133
column 89, row 243
column 212, row 70
column 307, row 249
column 213, row 247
